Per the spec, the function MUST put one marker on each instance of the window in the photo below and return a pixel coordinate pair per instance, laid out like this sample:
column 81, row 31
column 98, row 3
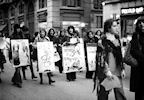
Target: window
column 12, row 11
column 42, row 4
column 31, row 7
column 97, row 4
column 71, row 3
column 99, row 21
column 21, row 8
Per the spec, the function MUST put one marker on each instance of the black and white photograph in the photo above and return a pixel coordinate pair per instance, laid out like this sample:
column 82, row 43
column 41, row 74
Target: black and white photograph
column 71, row 49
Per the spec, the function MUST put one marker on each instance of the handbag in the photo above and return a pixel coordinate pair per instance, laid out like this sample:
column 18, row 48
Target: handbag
column 128, row 59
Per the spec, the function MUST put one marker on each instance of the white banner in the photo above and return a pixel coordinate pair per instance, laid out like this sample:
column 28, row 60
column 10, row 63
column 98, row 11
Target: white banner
column 73, row 58
column 91, row 56
column 2, row 43
column 45, row 57
column 20, row 52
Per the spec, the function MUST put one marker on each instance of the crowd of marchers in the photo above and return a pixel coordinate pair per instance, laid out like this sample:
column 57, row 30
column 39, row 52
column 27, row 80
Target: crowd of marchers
column 109, row 57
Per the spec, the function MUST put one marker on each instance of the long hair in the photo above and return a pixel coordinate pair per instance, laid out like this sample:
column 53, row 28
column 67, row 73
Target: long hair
column 43, row 30
column 89, row 33
column 107, row 25
column 49, row 34
column 15, row 33
column 68, row 29
column 16, row 26
column 138, row 27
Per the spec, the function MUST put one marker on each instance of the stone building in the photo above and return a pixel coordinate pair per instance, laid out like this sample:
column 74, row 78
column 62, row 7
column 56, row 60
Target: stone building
column 35, row 14
column 127, row 11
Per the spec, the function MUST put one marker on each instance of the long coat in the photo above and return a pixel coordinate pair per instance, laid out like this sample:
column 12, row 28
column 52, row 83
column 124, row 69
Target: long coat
column 137, row 73
column 110, row 54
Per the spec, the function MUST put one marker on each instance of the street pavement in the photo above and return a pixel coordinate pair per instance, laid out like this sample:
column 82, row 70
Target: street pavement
column 81, row 89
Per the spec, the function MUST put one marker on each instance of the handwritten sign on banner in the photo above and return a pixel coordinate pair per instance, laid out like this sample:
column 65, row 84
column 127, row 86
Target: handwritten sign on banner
column 45, row 57
column 20, row 52
column 91, row 56
column 73, row 58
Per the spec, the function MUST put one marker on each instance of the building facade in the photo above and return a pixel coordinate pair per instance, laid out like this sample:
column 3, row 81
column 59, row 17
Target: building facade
column 36, row 14
column 4, row 4
column 125, row 10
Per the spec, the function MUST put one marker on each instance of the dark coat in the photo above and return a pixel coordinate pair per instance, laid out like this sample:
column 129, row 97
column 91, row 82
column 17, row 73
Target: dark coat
column 2, row 58
column 137, row 73
column 16, row 79
column 102, row 56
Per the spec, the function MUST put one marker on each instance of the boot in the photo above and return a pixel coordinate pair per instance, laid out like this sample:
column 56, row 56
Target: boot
column 41, row 78
column 49, row 78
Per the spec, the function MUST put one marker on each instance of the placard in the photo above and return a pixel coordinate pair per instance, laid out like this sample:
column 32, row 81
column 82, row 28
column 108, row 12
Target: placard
column 45, row 57
column 20, row 52
column 73, row 58
column 91, row 56
column 2, row 43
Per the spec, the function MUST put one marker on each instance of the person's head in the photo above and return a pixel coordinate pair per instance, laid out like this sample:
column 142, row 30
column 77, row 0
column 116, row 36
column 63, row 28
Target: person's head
column 17, row 28
column 111, row 26
column 71, row 30
column 57, row 33
column 98, row 32
column 62, row 32
column 140, row 25
column 51, row 32
column 42, row 33
column 36, row 34
column 90, row 34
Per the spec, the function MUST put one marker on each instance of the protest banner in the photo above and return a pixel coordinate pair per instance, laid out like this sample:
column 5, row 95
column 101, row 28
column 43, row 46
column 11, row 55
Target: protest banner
column 73, row 58
column 2, row 43
column 56, row 55
column 45, row 57
column 20, row 52
column 91, row 56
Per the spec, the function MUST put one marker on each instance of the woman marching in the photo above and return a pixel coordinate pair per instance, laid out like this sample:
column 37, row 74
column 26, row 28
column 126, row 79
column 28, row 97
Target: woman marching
column 71, row 76
column 43, row 38
column 109, row 61
column 89, row 39
column 16, row 79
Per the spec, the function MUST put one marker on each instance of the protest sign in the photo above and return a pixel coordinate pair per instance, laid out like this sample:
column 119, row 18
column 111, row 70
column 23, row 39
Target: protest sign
column 20, row 52
column 73, row 58
column 45, row 57
column 91, row 56
column 2, row 43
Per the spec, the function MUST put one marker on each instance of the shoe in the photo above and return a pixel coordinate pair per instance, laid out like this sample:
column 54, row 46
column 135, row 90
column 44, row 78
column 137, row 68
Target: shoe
column 41, row 82
column 68, row 80
column 19, row 85
column 52, row 81
column 25, row 78
column 34, row 77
